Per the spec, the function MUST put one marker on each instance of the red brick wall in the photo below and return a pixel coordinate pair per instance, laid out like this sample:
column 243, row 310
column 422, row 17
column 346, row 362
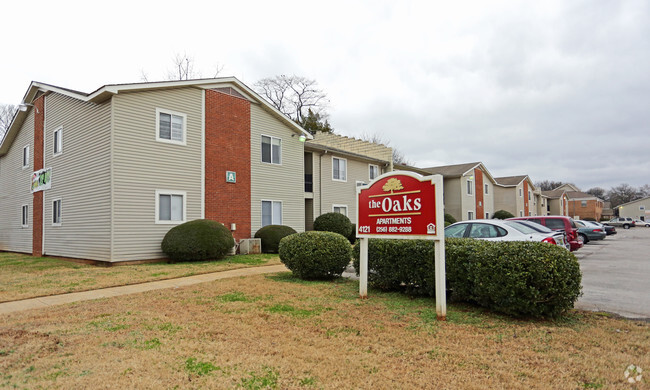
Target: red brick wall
column 478, row 193
column 37, row 205
column 593, row 209
column 228, row 148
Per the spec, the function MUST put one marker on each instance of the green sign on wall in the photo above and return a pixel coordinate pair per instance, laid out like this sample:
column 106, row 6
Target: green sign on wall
column 231, row 177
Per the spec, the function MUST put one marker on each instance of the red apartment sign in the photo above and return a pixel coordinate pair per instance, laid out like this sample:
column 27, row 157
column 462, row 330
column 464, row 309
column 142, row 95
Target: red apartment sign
column 399, row 205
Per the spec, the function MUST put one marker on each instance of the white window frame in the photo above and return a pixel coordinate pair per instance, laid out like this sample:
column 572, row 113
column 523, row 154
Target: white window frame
column 340, row 206
column 521, row 213
column 486, row 189
column 487, row 215
column 25, row 160
column 271, row 144
column 470, row 187
column 60, row 141
column 158, row 221
column 172, row 113
column 521, row 192
column 470, row 215
column 24, row 218
column 56, row 222
column 273, row 220
column 583, row 203
column 530, row 196
column 370, row 166
column 346, row 169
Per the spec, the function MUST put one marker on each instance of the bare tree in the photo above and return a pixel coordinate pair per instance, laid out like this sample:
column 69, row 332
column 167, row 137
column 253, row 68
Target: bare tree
column 7, row 112
column 548, row 185
column 183, row 68
column 622, row 194
column 293, row 95
column 597, row 192
column 398, row 156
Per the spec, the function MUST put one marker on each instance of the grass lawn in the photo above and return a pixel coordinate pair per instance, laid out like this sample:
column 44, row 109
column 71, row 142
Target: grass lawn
column 275, row 331
column 23, row 276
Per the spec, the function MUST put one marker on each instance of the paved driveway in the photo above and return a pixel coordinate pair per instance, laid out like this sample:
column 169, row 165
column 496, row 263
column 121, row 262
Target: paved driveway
column 616, row 274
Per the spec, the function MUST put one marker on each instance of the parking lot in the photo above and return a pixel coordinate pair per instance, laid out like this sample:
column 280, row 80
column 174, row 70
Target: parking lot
column 616, row 274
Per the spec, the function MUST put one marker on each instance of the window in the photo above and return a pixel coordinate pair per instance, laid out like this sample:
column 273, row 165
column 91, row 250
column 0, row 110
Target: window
column 521, row 193
column 374, row 171
column 339, row 169
column 487, row 215
column 470, row 185
column 26, row 157
column 58, row 141
column 529, row 196
column 482, row 230
column 530, row 213
column 521, row 213
column 271, row 150
column 56, row 212
column 25, row 219
column 170, row 126
column 642, row 207
column 470, row 215
column 486, row 189
column 341, row 209
column 457, row 230
column 583, row 203
column 170, row 206
column 271, row 212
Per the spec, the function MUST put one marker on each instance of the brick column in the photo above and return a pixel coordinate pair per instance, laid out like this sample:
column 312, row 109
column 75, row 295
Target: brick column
column 228, row 148
column 478, row 194
column 526, row 201
column 37, row 204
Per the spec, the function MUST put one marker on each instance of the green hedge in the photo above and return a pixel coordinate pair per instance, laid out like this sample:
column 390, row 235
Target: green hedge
column 333, row 222
column 502, row 214
column 201, row 239
column 516, row 278
column 315, row 255
column 270, row 235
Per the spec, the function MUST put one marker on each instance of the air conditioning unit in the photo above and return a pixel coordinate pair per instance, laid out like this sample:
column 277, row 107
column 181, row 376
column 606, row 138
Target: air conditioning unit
column 250, row 246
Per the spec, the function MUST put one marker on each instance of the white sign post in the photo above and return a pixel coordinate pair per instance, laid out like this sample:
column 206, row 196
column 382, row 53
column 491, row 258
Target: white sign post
column 403, row 205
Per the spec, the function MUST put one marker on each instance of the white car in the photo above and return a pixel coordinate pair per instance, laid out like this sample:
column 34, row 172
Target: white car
column 497, row 230
column 639, row 222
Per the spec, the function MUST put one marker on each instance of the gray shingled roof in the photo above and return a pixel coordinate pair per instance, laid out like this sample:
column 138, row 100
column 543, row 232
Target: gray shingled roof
column 451, row 170
column 510, row 180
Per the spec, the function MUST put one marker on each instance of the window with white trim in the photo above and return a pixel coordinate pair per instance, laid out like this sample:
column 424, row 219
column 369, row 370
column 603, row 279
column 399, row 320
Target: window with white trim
column 170, row 206
column 486, row 189
column 529, row 195
column 487, row 215
column 521, row 193
column 26, row 157
column 271, row 150
column 58, row 141
column 470, row 186
column 521, row 213
column 25, row 218
column 56, row 212
column 470, row 215
column 373, row 171
column 339, row 169
column 271, row 212
column 170, row 126
column 583, row 203
column 340, row 208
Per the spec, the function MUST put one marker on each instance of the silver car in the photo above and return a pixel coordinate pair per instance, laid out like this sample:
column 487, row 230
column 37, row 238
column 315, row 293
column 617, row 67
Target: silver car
column 497, row 230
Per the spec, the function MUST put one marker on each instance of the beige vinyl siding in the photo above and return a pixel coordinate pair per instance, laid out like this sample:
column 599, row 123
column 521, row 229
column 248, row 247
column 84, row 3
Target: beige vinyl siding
column 453, row 203
column 80, row 178
column 318, row 179
column 488, row 199
column 142, row 165
column 15, row 191
column 468, row 201
column 341, row 193
column 505, row 198
column 283, row 182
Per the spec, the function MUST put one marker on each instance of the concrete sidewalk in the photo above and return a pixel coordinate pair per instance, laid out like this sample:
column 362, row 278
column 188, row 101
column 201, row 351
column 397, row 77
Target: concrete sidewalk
column 54, row 300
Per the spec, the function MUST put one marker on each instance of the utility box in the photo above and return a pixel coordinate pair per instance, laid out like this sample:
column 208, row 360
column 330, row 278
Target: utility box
column 250, row 246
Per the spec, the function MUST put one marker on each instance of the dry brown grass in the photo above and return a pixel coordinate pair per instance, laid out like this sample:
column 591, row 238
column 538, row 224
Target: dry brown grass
column 275, row 331
column 23, row 276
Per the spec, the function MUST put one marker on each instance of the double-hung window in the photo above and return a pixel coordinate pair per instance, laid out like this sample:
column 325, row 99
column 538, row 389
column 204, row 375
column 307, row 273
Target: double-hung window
column 470, row 215
column 271, row 150
column 271, row 212
column 25, row 219
column 470, row 186
column 170, row 206
column 170, row 126
column 339, row 169
column 58, row 141
column 56, row 212
column 26, row 157
column 341, row 209
column 374, row 171
column 486, row 189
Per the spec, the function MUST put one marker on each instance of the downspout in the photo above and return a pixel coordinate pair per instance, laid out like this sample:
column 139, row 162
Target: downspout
column 320, row 183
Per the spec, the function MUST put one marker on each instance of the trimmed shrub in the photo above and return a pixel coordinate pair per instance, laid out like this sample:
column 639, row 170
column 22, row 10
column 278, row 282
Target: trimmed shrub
column 450, row 218
column 353, row 234
column 333, row 222
column 315, row 255
column 201, row 239
column 515, row 278
column 502, row 214
column 271, row 236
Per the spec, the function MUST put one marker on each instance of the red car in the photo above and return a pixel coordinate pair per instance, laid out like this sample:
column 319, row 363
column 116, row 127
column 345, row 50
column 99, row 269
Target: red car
column 558, row 222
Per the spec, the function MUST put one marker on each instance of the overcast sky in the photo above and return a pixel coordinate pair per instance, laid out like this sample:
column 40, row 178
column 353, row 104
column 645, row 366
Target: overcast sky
column 558, row 90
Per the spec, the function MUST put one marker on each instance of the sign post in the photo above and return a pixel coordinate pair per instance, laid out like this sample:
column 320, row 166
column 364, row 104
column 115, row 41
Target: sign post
column 403, row 205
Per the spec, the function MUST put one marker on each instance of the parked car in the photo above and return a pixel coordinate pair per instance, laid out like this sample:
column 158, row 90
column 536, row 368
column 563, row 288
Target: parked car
column 557, row 222
column 639, row 222
column 544, row 229
column 609, row 230
column 623, row 222
column 588, row 232
column 496, row 230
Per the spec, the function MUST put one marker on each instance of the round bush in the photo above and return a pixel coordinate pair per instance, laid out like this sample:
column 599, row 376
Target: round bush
column 271, row 236
column 315, row 255
column 353, row 234
column 201, row 239
column 333, row 222
column 502, row 214
column 450, row 218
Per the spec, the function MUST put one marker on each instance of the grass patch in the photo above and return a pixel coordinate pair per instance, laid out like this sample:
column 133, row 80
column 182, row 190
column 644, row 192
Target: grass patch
column 268, row 379
column 23, row 276
column 193, row 366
